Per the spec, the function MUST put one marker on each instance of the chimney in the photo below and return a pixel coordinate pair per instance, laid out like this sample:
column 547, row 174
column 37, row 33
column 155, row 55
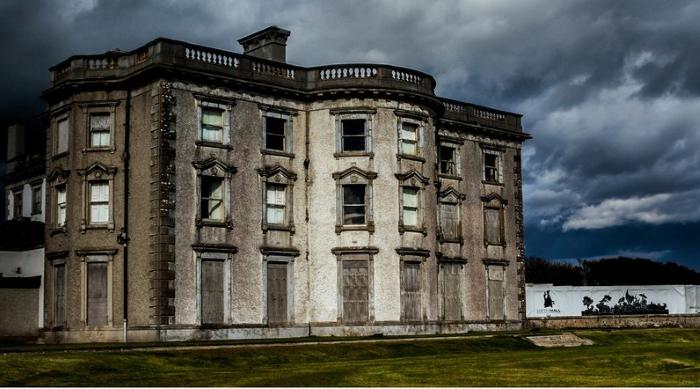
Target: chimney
column 270, row 43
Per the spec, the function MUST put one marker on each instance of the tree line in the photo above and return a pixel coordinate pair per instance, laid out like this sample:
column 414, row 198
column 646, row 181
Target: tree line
column 608, row 271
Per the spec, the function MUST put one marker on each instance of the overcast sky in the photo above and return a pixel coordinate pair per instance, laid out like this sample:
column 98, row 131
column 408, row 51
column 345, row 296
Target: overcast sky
column 610, row 90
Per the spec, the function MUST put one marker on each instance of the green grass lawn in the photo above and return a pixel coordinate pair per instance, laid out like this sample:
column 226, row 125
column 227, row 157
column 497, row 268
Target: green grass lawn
column 654, row 357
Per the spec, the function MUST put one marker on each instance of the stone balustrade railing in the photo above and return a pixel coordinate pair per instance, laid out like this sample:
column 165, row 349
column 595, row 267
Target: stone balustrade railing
column 476, row 114
column 206, row 60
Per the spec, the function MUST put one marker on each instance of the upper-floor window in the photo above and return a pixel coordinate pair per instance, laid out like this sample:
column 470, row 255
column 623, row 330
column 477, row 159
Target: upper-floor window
column 354, row 204
column 410, row 206
column 448, row 162
column 212, row 198
column 494, row 207
column 492, row 166
column 275, row 203
column 213, row 122
column 354, row 136
column 36, row 199
column 99, row 202
column 100, row 129
column 212, row 125
column 449, row 215
column 409, row 136
column 17, row 202
column 275, row 133
column 61, row 143
column 60, row 205
column 353, row 132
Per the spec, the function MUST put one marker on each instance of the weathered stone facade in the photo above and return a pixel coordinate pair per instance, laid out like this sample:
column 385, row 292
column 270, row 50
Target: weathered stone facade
column 252, row 198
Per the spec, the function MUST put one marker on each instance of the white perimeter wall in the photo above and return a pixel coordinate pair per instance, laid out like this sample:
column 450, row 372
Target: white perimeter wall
column 568, row 300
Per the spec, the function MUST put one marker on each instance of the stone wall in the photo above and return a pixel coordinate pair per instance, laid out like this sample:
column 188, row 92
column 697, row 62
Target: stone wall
column 631, row 321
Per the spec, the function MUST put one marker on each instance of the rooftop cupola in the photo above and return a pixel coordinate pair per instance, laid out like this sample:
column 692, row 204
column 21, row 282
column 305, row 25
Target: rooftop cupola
column 270, row 43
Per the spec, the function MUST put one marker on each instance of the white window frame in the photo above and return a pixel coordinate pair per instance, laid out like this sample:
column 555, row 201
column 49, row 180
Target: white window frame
column 455, row 146
column 92, row 203
column 204, row 102
column 353, row 114
column 413, row 180
column 214, row 167
column 499, row 165
column 204, row 254
column 97, row 172
column 89, row 110
column 354, row 176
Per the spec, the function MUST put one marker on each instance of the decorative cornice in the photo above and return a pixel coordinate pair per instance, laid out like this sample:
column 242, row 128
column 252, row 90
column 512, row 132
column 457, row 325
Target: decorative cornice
column 495, row 262
column 212, row 162
column 452, row 191
column 97, row 166
column 354, row 170
column 444, row 258
column 56, row 173
column 413, row 174
column 354, row 250
column 413, row 251
column 97, row 251
column 57, row 254
column 287, row 251
column 215, row 247
column 493, row 195
column 269, row 171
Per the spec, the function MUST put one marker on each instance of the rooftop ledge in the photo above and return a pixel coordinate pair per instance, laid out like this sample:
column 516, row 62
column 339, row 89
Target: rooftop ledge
column 162, row 52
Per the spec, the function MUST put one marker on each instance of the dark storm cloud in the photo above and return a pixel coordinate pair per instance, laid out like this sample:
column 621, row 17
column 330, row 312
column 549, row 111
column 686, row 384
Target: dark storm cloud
column 610, row 89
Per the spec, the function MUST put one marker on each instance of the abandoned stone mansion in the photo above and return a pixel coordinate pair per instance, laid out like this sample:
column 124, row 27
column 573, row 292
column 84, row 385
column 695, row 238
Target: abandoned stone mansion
column 196, row 193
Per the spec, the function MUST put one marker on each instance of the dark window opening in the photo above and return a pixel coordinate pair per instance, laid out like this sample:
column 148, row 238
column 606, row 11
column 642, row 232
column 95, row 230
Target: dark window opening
column 448, row 164
column 212, row 198
column 354, row 208
column 353, row 134
column 491, row 167
column 275, row 133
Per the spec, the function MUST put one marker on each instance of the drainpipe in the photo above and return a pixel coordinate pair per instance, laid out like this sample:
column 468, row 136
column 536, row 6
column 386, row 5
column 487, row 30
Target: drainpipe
column 123, row 237
column 306, row 206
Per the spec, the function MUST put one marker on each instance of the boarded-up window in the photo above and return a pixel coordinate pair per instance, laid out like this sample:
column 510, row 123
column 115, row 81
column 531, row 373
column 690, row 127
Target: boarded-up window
column 276, row 292
column 492, row 218
column 60, row 295
column 449, row 221
column 99, row 202
column 212, row 287
column 355, row 280
column 411, row 291
column 62, row 136
column 100, row 129
column 452, row 301
column 496, row 293
column 97, row 294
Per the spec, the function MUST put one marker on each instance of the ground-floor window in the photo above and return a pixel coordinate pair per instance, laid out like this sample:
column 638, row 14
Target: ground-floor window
column 411, row 286
column 212, row 291
column 59, row 282
column 496, row 292
column 97, row 307
column 451, row 291
column 355, row 280
column 277, row 301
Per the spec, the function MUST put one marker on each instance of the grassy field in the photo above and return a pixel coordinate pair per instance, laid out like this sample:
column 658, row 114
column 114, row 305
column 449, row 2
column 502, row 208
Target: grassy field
column 654, row 357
